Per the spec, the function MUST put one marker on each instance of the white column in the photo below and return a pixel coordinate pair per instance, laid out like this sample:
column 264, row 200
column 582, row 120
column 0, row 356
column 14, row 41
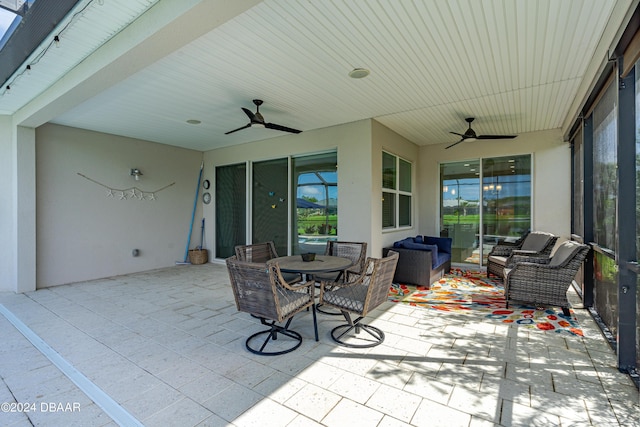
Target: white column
column 17, row 207
column 25, row 196
column 8, row 236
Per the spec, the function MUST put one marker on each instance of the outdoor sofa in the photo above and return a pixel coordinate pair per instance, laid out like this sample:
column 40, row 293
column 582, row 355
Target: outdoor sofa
column 422, row 259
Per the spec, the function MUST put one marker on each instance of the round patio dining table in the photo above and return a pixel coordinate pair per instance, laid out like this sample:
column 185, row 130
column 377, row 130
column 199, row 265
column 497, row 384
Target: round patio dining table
column 321, row 264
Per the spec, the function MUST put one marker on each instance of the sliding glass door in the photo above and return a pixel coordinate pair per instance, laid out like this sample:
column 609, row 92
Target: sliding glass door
column 460, row 209
column 506, row 194
column 483, row 202
column 292, row 201
column 315, row 213
column 231, row 214
column 269, row 202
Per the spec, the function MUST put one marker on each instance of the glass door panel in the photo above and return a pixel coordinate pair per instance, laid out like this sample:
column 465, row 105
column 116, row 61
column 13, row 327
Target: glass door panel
column 459, row 213
column 231, row 212
column 315, row 218
column 269, row 207
column 506, row 194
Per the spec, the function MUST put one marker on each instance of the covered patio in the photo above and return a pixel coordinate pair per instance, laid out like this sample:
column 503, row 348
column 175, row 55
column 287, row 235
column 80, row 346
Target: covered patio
column 166, row 347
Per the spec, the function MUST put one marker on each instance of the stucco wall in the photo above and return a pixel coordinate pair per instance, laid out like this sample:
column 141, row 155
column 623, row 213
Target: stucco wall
column 551, row 177
column 82, row 233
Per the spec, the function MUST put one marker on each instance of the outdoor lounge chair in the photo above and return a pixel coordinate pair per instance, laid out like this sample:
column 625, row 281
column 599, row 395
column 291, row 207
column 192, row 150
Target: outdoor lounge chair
column 261, row 290
column 544, row 280
column 360, row 294
column 536, row 243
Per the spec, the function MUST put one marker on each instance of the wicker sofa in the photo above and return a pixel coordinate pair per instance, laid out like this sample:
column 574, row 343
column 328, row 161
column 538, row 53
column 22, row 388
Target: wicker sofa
column 423, row 260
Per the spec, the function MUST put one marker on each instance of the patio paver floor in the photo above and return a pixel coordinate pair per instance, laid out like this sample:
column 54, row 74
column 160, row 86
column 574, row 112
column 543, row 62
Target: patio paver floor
column 168, row 346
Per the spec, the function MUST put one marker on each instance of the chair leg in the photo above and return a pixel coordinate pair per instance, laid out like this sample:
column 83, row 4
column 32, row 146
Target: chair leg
column 566, row 312
column 339, row 332
column 315, row 321
column 272, row 335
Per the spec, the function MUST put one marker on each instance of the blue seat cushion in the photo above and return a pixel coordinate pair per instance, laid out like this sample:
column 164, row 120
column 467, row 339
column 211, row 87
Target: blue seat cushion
column 443, row 243
column 442, row 258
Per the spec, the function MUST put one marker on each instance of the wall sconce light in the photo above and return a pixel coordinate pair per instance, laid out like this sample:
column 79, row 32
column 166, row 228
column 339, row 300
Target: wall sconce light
column 136, row 173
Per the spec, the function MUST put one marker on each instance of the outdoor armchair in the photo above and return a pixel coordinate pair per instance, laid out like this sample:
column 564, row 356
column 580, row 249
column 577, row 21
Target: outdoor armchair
column 536, row 243
column 544, row 280
column 358, row 295
column 260, row 289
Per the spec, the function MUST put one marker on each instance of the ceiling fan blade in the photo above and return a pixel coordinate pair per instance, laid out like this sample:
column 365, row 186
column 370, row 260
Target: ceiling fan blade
column 496, row 136
column 456, row 143
column 459, row 134
column 240, row 128
column 282, row 128
column 250, row 114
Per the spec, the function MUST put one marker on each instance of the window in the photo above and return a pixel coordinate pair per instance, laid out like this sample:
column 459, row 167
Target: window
column 396, row 192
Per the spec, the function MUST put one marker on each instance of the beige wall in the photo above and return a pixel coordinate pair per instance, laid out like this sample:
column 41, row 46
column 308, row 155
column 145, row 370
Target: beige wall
column 84, row 234
column 551, row 172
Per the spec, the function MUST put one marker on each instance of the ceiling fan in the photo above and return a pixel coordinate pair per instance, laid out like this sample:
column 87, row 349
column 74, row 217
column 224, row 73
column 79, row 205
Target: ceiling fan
column 470, row 134
column 256, row 119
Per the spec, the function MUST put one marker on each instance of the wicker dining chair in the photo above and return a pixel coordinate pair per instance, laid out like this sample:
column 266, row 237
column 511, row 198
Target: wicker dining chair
column 256, row 252
column 355, row 251
column 544, row 281
column 260, row 289
column 359, row 295
column 536, row 243
column 261, row 253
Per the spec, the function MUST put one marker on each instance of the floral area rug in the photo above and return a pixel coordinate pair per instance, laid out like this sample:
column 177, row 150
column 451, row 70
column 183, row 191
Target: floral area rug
column 464, row 291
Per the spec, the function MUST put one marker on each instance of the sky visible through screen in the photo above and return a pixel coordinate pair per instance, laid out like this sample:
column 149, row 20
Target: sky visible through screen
column 317, row 191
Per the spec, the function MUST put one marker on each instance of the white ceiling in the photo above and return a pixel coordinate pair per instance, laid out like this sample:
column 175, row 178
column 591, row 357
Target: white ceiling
column 516, row 65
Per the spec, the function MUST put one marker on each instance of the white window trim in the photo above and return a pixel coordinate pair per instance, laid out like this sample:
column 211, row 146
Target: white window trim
column 397, row 192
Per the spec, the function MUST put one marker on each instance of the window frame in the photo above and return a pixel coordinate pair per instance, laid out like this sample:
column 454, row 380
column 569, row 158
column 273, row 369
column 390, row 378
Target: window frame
column 398, row 194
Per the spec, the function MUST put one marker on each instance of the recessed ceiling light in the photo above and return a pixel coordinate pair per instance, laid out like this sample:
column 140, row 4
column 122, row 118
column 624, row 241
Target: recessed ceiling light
column 359, row 73
column 194, row 122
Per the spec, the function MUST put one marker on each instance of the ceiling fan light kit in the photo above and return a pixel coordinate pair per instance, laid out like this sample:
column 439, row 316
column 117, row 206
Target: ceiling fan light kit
column 470, row 135
column 256, row 120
